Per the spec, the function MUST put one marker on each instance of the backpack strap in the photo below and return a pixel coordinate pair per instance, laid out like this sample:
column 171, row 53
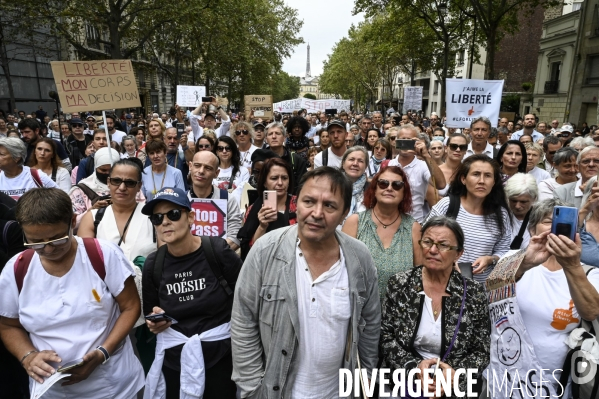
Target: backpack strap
column 231, row 180
column 215, row 264
column 92, row 247
column 91, row 194
column 36, row 177
column 517, row 241
column 5, row 232
column 224, row 194
column 159, row 265
column 325, row 157
column 99, row 215
column 54, row 170
column 454, row 206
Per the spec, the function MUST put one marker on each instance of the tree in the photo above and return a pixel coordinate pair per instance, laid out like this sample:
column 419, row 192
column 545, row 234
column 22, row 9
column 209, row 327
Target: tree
column 310, row 96
column 285, row 87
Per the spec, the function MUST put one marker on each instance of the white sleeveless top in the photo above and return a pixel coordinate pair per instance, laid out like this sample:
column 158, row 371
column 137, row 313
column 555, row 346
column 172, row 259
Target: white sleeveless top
column 139, row 240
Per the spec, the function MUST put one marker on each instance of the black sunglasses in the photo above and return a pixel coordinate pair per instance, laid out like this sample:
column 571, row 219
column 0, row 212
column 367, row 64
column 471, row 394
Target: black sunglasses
column 173, row 215
column 116, row 181
column 454, row 147
column 396, row 185
column 77, row 125
column 223, row 149
column 244, row 132
column 204, row 146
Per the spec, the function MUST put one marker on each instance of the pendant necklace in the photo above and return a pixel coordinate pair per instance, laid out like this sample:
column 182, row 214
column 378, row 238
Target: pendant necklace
column 383, row 224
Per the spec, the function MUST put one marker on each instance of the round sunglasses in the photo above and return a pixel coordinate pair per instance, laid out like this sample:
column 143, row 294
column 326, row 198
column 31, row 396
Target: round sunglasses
column 244, row 132
column 395, row 185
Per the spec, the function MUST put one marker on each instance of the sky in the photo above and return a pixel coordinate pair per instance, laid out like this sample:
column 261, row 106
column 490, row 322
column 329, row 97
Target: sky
column 325, row 23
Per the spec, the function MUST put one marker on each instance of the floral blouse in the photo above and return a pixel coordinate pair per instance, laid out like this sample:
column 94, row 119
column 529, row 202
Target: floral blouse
column 402, row 312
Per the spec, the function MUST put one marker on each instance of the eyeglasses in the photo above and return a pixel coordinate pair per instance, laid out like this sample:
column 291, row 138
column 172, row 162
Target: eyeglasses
column 244, row 132
column 428, row 244
column 203, row 146
column 454, row 147
column 116, row 181
column 55, row 243
column 395, row 185
column 77, row 125
column 173, row 215
column 223, row 149
column 392, row 138
column 586, row 162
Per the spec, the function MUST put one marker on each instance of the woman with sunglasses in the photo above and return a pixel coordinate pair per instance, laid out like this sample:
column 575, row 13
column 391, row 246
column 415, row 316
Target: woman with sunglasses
column 457, row 144
column 68, row 300
column 188, row 290
column 390, row 234
column 231, row 176
column 243, row 134
column 122, row 222
column 381, row 151
column 46, row 159
column 391, row 137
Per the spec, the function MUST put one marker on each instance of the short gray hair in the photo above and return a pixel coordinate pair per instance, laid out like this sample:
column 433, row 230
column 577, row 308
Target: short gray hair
column 564, row 154
column 541, row 210
column 15, row 147
column 585, row 150
column 481, row 119
column 520, row 184
column 278, row 125
column 444, row 221
column 354, row 149
column 583, row 142
column 535, row 147
column 129, row 137
column 424, row 137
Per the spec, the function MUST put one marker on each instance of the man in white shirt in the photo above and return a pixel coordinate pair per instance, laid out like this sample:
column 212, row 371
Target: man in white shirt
column 550, row 146
column 115, row 135
column 209, row 121
column 554, row 126
column 528, row 129
column 332, row 156
column 306, row 301
column 419, row 167
column 323, row 122
column 588, row 167
column 480, row 128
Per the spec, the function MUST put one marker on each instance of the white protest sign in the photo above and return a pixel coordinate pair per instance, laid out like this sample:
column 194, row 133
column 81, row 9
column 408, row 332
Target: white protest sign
column 312, row 106
column 287, row 106
column 190, row 96
column 467, row 99
column 412, row 98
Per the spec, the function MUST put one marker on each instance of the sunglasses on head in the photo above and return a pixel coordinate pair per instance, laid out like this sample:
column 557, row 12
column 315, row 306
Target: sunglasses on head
column 223, row 149
column 244, row 132
column 454, row 147
column 395, row 185
column 173, row 215
column 117, row 181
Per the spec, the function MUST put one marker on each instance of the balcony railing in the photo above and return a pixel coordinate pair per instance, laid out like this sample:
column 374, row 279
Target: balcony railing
column 551, row 86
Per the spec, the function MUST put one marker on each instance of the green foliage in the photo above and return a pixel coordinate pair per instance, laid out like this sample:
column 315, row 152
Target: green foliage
column 310, row 96
column 510, row 103
column 285, row 87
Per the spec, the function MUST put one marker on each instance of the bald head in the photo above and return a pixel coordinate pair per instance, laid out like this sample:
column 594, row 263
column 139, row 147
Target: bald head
column 206, row 157
column 203, row 169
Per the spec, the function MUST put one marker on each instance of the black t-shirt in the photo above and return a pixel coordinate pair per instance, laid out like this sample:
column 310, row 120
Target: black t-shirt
column 190, row 293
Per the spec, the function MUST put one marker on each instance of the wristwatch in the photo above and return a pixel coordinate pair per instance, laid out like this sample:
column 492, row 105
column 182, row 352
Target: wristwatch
column 104, row 352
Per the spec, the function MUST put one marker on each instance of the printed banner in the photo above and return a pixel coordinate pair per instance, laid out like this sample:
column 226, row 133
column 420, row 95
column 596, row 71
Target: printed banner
column 260, row 104
column 311, row 106
column 190, row 96
column 412, row 98
column 95, row 85
column 288, row 106
column 210, row 217
column 467, row 99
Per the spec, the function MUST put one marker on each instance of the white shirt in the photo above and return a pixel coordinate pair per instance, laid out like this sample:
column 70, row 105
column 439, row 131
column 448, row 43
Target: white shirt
column 535, row 135
column 550, row 169
column 548, row 313
column 246, row 156
column 16, row 186
column 61, row 314
column 117, row 136
column 333, row 161
column 546, row 188
column 428, row 338
column 488, row 151
column 418, row 177
column 324, row 311
column 539, row 174
column 224, row 176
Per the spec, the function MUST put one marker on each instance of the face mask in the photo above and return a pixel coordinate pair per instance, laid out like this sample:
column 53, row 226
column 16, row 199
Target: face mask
column 439, row 138
column 103, row 177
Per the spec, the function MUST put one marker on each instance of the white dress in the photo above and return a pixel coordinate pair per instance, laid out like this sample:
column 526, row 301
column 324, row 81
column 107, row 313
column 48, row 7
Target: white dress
column 61, row 314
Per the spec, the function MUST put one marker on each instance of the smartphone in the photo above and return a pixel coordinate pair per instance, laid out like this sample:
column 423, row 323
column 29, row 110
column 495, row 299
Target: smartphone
column 270, row 199
column 565, row 221
column 180, row 129
column 402, row 144
column 158, row 317
column 70, row 365
column 206, row 99
column 104, row 197
column 330, row 111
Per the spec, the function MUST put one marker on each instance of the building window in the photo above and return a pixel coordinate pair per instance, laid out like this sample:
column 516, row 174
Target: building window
column 461, row 56
column 576, row 6
column 593, row 70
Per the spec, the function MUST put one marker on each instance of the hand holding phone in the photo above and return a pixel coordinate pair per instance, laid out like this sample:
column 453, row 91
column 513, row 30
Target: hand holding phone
column 157, row 322
column 70, row 365
column 565, row 221
column 405, row 145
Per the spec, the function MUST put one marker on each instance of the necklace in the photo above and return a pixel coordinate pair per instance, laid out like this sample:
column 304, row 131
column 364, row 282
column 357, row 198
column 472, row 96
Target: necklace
column 435, row 311
column 154, row 182
column 381, row 222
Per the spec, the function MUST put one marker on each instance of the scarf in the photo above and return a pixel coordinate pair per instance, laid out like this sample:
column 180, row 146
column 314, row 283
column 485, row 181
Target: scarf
column 376, row 164
column 295, row 145
column 357, row 194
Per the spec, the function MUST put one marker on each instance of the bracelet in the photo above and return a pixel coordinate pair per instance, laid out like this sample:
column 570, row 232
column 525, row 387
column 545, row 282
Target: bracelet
column 27, row 354
column 104, row 352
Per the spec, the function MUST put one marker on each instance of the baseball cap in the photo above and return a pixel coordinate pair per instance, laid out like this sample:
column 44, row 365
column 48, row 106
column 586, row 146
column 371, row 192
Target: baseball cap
column 211, row 115
column 567, row 128
column 260, row 124
column 170, row 194
column 76, row 121
column 337, row 122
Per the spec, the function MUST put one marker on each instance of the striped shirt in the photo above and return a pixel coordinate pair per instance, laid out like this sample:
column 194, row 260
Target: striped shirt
column 482, row 236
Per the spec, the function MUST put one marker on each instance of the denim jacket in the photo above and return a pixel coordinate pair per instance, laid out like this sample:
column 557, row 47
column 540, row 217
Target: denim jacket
column 265, row 321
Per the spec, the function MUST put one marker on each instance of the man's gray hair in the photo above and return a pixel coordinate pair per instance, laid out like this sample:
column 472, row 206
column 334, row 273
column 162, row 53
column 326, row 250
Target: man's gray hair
column 15, row 147
column 481, row 119
column 424, row 137
column 520, row 184
column 585, row 150
column 278, row 125
column 541, row 210
column 564, row 154
column 582, row 142
column 409, row 126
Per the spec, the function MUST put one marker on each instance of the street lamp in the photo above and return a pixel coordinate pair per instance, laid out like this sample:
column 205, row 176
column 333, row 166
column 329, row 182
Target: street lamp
column 442, row 8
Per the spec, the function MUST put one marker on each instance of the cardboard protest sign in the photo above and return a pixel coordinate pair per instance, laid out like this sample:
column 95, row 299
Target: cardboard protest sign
column 95, row 85
column 210, row 217
column 467, row 99
column 190, row 96
column 260, row 104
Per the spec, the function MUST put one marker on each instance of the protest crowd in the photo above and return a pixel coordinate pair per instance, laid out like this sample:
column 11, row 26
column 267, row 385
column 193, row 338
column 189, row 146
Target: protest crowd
column 204, row 253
